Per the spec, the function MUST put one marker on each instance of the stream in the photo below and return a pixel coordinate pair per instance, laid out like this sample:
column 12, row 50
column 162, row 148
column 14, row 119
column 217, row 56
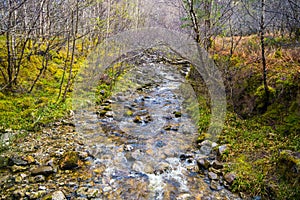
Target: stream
column 138, row 144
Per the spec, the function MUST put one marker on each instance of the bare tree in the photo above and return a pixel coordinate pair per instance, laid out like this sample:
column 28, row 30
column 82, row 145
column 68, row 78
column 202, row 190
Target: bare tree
column 263, row 57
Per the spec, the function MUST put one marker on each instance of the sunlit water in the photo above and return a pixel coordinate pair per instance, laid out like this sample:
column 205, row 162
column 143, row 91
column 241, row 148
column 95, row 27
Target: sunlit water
column 141, row 146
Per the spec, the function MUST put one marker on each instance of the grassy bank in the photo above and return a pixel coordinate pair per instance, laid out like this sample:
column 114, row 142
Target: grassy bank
column 259, row 143
column 23, row 108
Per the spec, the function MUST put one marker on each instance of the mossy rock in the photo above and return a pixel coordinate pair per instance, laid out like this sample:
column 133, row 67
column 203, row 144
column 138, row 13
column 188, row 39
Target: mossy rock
column 70, row 160
column 289, row 165
column 203, row 136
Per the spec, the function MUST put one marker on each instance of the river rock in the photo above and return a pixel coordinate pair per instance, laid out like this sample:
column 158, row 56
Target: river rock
column 215, row 185
column 217, row 165
column 203, row 163
column 42, row 170
column 205, row 147
column 70, row 160
column 17, row 161
column 58, row 195
column 171, row 127
column 216, row 171
column 229, row 178
column 212, row 176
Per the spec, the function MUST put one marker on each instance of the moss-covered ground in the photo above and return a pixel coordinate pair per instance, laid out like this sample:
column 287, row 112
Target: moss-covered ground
column 257, row 139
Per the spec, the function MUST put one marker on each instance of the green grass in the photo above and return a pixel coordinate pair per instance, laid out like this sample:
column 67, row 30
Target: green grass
column 256, row 140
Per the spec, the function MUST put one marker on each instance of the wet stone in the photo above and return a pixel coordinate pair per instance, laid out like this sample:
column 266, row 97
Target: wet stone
column 215, row 185
column 203, row 163
column 18, row 194
column 42, row 170
column 18, row 161
column 70, row 160
column 87, row 192
column 212, row 176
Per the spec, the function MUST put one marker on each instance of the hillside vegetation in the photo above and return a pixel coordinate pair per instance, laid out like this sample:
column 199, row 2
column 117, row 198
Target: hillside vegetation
column 261, row 146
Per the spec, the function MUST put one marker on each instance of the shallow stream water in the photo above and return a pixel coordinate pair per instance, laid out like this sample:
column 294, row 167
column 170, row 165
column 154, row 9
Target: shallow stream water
column 145, row 143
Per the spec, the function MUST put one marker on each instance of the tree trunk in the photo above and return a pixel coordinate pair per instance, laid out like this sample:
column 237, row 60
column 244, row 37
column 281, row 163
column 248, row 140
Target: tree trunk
column 263, row 58
column 207, row 24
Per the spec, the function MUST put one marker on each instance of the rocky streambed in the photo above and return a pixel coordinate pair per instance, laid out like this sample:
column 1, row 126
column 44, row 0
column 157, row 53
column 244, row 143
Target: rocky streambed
column 138, row 144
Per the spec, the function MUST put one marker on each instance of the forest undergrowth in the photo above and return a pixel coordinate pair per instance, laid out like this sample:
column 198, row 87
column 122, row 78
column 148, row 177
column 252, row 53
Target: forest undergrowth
column 262, row 146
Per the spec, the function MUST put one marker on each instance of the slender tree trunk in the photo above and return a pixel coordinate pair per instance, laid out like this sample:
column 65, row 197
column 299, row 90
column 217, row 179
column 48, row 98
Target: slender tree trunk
column 108, row 18
column 207, row 24
column 194, row 20
column 264, row 63
column 65, row 69
column 74, row 35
